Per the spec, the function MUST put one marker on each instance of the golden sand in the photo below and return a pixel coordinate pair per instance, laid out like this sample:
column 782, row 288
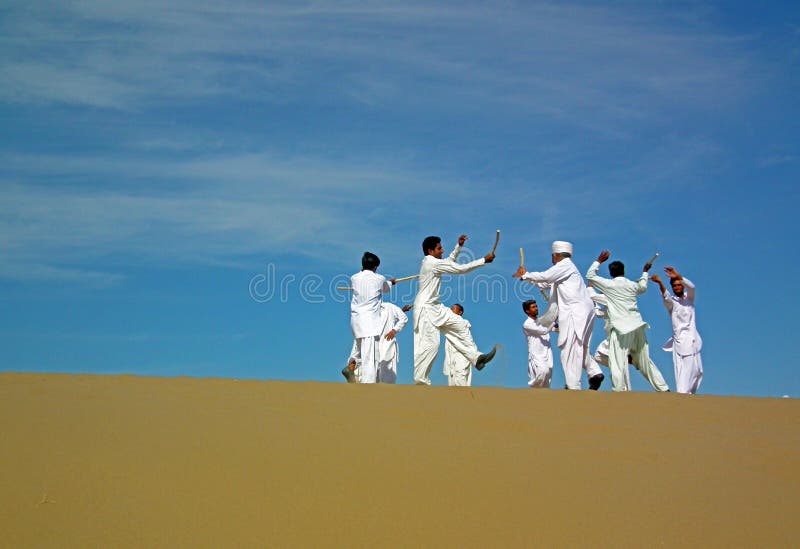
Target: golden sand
column 123, row 461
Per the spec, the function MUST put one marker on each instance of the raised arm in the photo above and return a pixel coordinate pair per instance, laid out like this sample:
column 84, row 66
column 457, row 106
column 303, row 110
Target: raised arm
column 664, row 294
column 591, row 275
column 451, row 267
column 641, row 284
column 690, row 288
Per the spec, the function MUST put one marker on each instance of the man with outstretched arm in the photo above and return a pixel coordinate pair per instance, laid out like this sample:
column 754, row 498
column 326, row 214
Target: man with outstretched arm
column 575, row 315
column 432, row 318
column 685, row 342
column 626, row 329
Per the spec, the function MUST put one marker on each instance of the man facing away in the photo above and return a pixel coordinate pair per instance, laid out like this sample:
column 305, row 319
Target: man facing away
column 537, row 334
column 685, row 342
column 575, row 315
column 625, row 327
column 365, row 315
column 393, row 319
column 432, row 318
column 601, row 353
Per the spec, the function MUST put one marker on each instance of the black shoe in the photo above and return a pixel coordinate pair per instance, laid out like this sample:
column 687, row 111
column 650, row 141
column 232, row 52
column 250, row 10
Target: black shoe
column 483, row 360
column 595, row 381
column 348, row 374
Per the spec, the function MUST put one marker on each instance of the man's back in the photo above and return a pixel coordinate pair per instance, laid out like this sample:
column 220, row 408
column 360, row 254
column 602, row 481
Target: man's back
column 622, row 309
column 365, row 306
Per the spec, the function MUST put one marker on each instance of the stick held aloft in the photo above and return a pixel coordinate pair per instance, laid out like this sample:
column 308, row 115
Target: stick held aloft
column 496, row 240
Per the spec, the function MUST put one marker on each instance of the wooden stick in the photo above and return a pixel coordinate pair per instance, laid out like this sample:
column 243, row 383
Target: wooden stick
column 653, row 260
column 521, row 258
column 402, row 279
column 496, row 240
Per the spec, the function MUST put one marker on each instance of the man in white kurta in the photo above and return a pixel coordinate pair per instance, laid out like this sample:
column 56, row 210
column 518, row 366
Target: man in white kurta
column 365, row 315
column 575, row 315
column 394, row 320
column 601, row 353
column 626, row 329
column 685, row 342
column 537, row 335
column 457, row 367
column 432, row 318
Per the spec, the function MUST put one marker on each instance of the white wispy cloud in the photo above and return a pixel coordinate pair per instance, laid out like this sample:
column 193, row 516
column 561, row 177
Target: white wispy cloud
column 207, row 191
column 560, row 61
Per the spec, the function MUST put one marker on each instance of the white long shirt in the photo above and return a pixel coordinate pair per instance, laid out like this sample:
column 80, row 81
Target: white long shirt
column 537, row 334
column 575, row 308
column 393, row 318
column 365, row 306
column 430, row 281
column 622, row 310
column 685, row 338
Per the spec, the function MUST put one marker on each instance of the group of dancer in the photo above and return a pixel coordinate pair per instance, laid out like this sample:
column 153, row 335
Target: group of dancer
column 572, row 307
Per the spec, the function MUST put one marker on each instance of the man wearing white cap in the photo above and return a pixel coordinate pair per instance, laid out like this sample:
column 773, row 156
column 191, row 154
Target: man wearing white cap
column 575, row 315
column 432, row 318
column 626, row 329
column 685, row 342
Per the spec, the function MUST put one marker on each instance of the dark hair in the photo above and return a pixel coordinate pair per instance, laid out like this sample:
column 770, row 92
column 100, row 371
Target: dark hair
column 675, row 279
column 460, row 306
column 527, row 305
column 370, row 261
column 430, row 243
column 616, row 268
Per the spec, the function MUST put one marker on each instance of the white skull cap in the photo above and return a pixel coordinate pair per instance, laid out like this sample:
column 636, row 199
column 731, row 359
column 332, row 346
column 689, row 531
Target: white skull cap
column 560, row 247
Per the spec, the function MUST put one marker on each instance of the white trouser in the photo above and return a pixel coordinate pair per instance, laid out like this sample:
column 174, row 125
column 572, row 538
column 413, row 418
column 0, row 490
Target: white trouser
column 427, row 339
column 575, row 356
column 634, row 344
column 601, row 353
column 387, row 371
column 460, row 374
column 688, row 372
column 540, row 374
column 368, row 355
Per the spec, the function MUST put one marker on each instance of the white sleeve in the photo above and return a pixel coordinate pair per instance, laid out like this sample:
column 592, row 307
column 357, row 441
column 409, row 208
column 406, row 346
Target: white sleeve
column 667, row 301
column 400, row 319
column 597, row 281
column 451, row 267
column 690, row 288
column 549, row 276
column 454, row 254
column 535, row 328
column 549, row 316
column 641, row 284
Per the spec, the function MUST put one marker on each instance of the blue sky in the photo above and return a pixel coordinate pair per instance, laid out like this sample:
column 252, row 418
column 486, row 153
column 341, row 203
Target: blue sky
column 160, row 159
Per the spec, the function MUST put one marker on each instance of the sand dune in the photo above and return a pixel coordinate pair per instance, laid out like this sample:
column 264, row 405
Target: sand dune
column 122, row 461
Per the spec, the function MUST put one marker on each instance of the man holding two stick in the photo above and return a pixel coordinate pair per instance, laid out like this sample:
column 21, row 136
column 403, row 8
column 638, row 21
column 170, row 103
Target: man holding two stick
column 626, row 329
column 432, row 318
